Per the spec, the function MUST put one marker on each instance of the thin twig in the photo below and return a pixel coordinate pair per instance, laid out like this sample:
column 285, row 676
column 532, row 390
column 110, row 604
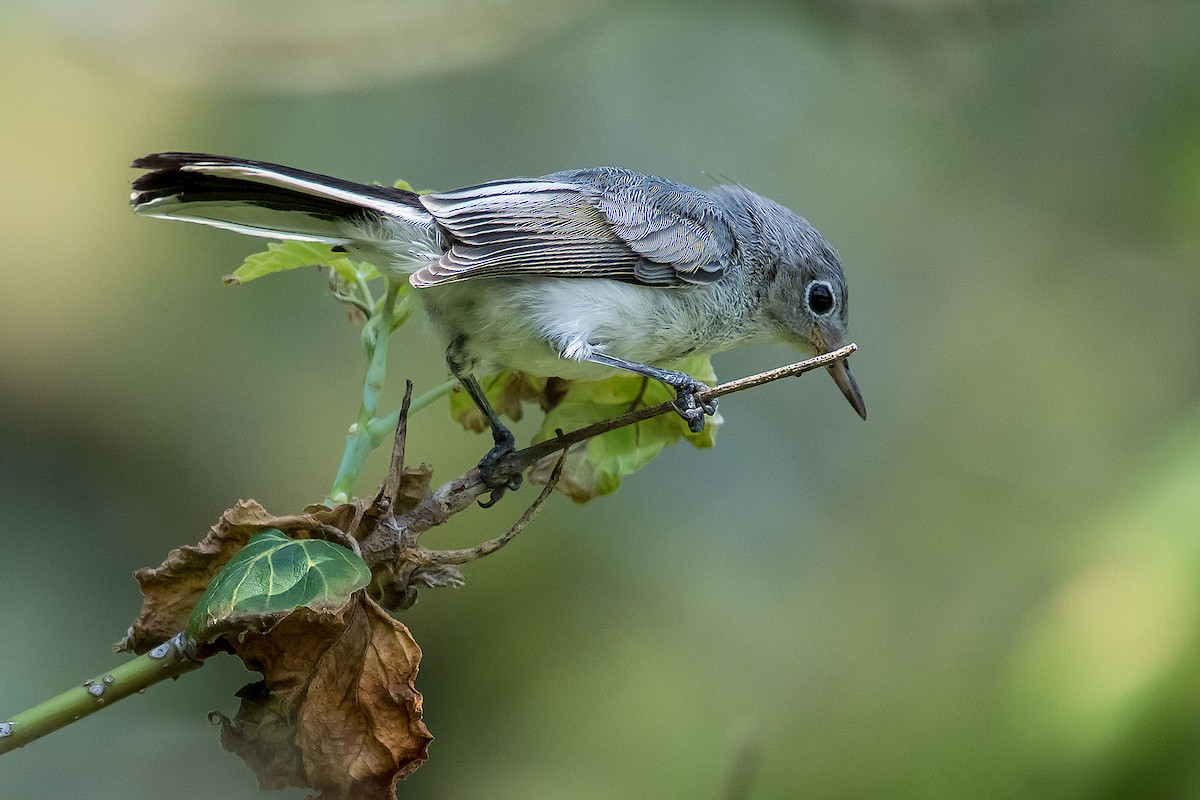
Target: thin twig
column 747, row 755
column 336, row 534
column 459, row 494
column 390, row 491
column 469, row 554
column 523, row 458
column 791, row 370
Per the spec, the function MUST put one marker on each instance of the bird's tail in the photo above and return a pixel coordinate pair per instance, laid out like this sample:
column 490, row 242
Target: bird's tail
column 277, row 202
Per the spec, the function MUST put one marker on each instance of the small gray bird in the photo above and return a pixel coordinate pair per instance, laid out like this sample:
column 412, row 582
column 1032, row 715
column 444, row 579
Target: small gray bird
column 577, row 274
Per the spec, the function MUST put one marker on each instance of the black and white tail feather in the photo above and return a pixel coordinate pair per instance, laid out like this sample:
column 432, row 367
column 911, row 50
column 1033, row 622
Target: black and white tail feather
column 382, row 223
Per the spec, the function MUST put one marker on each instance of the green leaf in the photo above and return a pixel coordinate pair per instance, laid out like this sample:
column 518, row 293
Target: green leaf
column 408, row 187
column 405, row 306
column 283, row 256
column 272, row 576
column 598, row 465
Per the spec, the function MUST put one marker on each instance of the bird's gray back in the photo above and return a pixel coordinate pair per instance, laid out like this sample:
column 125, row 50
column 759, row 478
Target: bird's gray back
column 593, row 223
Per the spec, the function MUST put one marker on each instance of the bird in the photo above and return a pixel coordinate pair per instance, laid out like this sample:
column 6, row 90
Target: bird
column 579, row 274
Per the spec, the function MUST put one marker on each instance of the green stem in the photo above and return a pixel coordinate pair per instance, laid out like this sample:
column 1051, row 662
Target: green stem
column 358, row 439
column 169, row 660
column 381, row 429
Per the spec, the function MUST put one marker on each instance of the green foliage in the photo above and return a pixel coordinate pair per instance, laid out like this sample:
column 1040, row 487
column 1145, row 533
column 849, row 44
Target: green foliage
column 283, row 256
column 274, row 574
column 597, row 466
column 600, row 464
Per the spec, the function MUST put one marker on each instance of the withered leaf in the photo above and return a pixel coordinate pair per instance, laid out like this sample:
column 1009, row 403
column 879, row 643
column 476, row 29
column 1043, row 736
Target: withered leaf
column 336, row 710
column 414, row 486
column 171, row 590
column 506, row 390
column 578, row 479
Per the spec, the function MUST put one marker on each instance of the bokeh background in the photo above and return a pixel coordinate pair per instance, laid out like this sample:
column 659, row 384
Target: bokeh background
column 990, row 589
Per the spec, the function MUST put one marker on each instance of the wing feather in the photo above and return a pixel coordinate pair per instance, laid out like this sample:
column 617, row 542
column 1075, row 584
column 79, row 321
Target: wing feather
column 600, row 223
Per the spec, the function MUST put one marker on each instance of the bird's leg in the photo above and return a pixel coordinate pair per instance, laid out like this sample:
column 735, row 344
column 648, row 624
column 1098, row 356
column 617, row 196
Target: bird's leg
column 503, row 444
column 503, row 441
column 687, row 389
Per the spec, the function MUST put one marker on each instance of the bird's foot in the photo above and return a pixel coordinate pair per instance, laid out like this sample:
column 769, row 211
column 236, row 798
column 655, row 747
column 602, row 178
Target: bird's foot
column 689, row 404
column 494, row 475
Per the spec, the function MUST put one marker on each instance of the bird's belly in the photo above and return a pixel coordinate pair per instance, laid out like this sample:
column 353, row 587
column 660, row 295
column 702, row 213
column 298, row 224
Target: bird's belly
column 526, row 323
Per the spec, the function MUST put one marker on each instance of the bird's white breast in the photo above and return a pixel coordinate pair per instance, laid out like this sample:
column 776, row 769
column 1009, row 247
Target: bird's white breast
column 525, row 323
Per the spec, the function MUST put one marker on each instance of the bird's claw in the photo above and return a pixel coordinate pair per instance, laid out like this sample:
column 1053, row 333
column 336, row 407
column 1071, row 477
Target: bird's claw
column 497, row 480
column 691, row 407
column 498, row 489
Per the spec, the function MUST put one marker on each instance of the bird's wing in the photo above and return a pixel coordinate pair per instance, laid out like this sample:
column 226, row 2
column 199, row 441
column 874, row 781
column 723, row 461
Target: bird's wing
column 600, row 223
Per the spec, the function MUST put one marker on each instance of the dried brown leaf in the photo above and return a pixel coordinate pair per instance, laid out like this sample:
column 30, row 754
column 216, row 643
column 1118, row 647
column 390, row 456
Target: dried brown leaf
column 506, row 391
column 414, row 486
column 336, row 710
column 578, row 479
column 170, row 590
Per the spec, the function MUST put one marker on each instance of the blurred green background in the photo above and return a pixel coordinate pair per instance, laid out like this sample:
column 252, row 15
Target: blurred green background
column 990, row 589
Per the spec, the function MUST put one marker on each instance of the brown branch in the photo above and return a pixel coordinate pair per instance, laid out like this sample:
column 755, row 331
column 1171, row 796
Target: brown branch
column 393, row 538
column 469, row 554
column 390, row 490
column 462, row 492
column 522, row 459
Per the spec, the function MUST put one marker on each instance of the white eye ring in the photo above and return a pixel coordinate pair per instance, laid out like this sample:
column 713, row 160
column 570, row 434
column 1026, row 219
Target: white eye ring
column 820, row 298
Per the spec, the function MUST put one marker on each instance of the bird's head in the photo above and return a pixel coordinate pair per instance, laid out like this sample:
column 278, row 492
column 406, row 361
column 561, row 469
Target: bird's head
column 807, row 295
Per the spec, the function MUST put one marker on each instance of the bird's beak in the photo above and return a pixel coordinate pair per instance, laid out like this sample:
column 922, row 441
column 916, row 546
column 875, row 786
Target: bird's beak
column 840, row 371
column 845, row 381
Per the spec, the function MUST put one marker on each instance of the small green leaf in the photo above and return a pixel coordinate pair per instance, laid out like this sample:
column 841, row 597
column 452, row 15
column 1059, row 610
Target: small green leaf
column 404, row 307
column 598, row 466
column 406, row 186
column 283, row 256
column 270, row 577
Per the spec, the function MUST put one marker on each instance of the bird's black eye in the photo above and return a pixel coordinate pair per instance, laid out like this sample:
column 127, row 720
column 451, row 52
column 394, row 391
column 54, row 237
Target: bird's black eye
column 820, row 298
